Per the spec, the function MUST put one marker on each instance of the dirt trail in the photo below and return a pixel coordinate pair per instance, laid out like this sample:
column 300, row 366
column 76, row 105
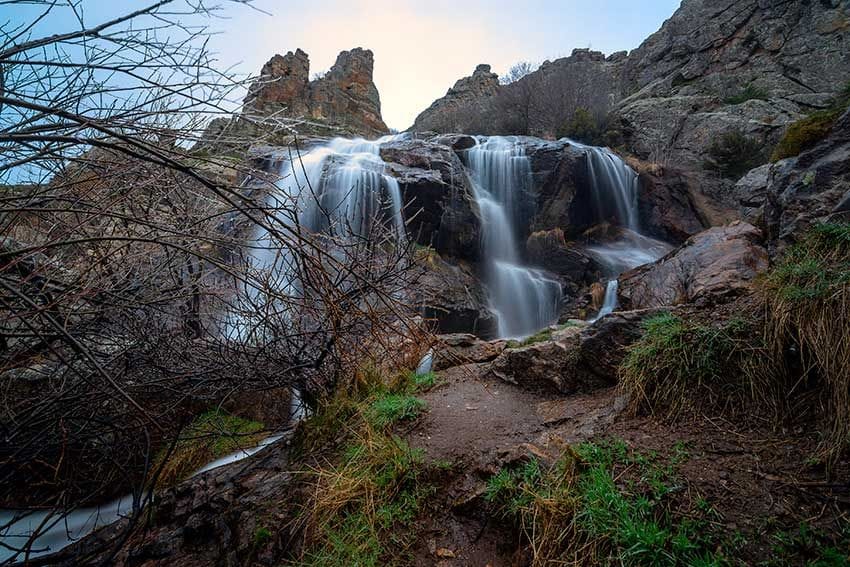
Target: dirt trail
column 754, row 476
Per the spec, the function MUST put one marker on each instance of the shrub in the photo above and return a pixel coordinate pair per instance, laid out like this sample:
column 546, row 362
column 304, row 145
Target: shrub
column 582, row 127
column 750, row 92
column 677, row 364
column 807, row 132
column 734, row 154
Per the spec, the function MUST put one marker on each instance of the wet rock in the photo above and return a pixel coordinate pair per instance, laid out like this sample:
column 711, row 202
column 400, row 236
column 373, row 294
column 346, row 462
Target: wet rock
column 464, row 348
column 436, row 196
column 670, row 206
column 450, row 295
column 716, row 264
column 548, row 249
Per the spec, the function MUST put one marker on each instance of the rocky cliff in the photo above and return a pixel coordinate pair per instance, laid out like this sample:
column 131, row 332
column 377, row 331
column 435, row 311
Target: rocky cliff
column 720, row 77
column 342, row 102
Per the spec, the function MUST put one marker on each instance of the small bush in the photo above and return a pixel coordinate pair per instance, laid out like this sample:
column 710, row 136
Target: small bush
column 750, row 92
column 807, row 132
column 734, row 154
column 583, row 127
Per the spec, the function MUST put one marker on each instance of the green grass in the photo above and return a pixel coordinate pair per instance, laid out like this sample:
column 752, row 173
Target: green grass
column 809, row 547
column 585, row 505
column 370, row 486
column 211, row 435
column 805, row 297
column 807, row 132
column 750, row 92
column 389, row 409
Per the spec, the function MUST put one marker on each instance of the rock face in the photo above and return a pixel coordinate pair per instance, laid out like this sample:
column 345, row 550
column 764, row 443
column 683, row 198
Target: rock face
column 718, row 263
column 345, row 97
column 439, row 206
column 812, row 187
column 469, row 95
column 538, row 104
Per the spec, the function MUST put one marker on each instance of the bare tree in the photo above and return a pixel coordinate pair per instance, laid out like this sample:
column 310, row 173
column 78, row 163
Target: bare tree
column 518, row 71
column 145, row 278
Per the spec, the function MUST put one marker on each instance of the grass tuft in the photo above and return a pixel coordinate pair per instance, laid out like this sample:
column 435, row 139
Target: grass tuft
column 750, row 92
column 582, row 509
column 807, row 132
column 210, row 436
column 807, row 301
column 392, row 408
column 678, row 364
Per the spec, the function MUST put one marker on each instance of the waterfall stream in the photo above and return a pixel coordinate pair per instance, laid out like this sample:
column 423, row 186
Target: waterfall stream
column 614, row 197
column 524, row 300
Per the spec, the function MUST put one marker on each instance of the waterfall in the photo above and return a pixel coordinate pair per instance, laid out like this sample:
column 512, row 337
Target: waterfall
column 524, row 300
column 614, row 190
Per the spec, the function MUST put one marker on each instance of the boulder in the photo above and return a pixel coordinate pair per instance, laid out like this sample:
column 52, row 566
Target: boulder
column 579, row 358
column 715, row 264
column 436, row 196
column 670, row 206
column 463, row 348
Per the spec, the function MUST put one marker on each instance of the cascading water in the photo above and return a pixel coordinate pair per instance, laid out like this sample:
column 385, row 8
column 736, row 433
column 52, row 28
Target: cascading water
column 338, row 189
column 614, row 198
column 524, row 300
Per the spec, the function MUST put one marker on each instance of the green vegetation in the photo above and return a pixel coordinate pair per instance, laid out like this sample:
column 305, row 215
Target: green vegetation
column 261, row 537
column 806, row 297
column 392, row 408
column 367, row 495
column 808, row 131
column 810, row 547
column 212, row 435
column 582, row 127
column 605, row 504
column 677, row 363
column 750, row 92
column 734, row 154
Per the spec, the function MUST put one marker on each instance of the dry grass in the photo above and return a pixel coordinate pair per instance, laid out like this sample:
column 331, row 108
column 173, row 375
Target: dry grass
column 807, row 301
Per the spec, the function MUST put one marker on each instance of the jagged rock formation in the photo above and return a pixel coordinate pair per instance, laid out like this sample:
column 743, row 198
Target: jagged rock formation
column 345, row 96
column 467, row 97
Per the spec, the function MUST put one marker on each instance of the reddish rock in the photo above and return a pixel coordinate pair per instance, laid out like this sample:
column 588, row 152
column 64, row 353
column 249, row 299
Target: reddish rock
column 718, row 263
column 345, row 97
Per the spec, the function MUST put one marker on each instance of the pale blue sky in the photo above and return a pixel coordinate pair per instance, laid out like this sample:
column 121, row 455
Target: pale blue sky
column 421, row 47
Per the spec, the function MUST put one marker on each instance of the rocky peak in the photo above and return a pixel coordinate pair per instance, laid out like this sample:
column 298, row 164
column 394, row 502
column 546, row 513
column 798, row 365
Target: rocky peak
column 346, row 97
column 471, row 91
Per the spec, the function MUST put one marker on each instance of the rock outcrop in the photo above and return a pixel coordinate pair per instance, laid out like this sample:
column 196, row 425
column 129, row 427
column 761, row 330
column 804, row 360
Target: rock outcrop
column 716, row 264
column 468, row 97
column 345, row 97
column 814, row 186
column 538, row 104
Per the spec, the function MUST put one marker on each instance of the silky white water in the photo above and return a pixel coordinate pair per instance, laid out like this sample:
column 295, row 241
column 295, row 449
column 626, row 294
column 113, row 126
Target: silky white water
column 523, row 300
column 614, row 190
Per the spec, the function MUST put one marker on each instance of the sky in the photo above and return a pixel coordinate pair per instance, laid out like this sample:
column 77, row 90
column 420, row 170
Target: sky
column 421, row 47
